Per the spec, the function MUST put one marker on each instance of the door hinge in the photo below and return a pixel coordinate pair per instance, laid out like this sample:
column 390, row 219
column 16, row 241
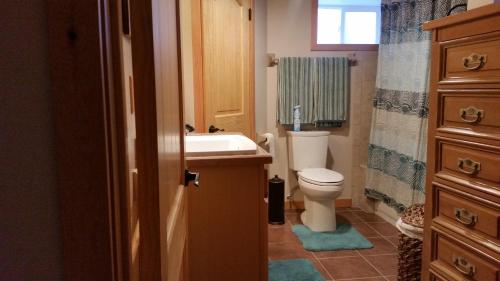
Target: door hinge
column 249, row 14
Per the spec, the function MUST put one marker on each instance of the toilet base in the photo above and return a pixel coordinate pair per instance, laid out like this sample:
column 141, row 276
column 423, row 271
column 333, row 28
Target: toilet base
column 319, row 216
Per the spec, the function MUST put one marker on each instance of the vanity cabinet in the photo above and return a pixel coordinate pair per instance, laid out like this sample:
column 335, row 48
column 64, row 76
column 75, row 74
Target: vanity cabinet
column 227, row 218
column 462, row 215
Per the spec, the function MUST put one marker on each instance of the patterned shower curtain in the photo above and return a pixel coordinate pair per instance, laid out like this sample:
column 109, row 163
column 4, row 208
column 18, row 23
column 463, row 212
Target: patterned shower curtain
column 397, row 149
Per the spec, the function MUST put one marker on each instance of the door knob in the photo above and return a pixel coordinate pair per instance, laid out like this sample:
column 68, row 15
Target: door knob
column 191, row 177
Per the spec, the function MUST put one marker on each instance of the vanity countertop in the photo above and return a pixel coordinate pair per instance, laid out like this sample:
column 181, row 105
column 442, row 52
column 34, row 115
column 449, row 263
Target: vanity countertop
column 260, row 157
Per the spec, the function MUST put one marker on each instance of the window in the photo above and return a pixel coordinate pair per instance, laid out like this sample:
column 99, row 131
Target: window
column 345, row 24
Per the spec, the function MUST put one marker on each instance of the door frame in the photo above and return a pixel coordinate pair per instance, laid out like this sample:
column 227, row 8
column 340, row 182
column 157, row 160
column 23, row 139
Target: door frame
column 199, row 98
column 87, row 109
column 90, row 137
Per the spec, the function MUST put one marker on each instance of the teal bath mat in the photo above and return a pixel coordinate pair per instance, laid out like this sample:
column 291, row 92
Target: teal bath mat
column 293, row 270
column 344, row 238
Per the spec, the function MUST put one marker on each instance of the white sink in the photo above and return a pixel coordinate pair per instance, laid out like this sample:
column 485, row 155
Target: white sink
column 210, row 145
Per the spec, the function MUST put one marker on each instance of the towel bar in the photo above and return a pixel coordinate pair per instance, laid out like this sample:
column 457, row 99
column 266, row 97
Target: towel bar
column 274, row 61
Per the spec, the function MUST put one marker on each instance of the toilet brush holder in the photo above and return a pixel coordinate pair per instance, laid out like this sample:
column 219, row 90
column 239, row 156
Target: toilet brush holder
column 276, row 195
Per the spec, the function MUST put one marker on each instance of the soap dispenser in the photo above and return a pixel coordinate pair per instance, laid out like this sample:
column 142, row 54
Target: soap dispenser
column 296, row 118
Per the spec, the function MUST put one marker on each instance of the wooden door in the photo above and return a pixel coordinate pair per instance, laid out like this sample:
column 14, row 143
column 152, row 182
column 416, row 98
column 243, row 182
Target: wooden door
column 160, row 156
column 227, row 65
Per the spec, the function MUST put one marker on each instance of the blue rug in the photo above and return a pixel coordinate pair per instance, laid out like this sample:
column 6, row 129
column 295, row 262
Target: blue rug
column 345, row 237
column 293, row 270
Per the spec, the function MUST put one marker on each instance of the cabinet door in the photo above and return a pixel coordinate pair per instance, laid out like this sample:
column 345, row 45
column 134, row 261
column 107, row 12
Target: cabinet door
column 225, row 224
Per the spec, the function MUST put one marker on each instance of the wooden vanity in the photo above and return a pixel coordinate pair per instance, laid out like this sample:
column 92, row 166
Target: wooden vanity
column 227, row 225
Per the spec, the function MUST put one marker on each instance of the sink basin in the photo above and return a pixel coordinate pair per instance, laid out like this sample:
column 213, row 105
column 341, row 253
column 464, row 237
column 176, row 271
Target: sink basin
column 210, row 145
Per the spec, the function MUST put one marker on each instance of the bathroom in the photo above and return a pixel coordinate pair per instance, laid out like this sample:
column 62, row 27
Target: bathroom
column 347, row 145
column 373, row 211
column 250, row 140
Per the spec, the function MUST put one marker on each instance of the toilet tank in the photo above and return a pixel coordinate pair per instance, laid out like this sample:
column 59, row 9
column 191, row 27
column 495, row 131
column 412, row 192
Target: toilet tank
column 307, row 149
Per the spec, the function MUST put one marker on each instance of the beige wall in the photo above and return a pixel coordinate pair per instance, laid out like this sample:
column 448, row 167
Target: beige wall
column 260, row 20
column 186, row 29
column 30, row 247
column 288, row 34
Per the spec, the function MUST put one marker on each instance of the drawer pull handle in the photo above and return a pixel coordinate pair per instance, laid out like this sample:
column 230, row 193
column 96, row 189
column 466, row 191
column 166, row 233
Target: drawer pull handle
column 465, row 217
column 468, row 166
column 464, row 266
column 474, row 61
column 471, row 111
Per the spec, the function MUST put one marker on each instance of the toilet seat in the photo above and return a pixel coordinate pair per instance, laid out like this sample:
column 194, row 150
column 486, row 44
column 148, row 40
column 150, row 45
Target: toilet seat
column 321, row 177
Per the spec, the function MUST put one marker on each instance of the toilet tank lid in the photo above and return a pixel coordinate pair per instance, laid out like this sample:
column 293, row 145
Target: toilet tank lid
column 321, row 175
column 308, row 133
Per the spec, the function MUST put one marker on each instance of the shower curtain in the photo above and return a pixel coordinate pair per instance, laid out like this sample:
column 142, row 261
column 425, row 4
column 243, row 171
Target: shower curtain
column 397, row 149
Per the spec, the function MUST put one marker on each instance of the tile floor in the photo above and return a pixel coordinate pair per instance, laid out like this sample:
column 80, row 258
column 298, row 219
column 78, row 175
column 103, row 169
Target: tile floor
column 376, row 264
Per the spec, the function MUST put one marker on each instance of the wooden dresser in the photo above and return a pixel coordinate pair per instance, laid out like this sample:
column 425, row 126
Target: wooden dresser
column 462, row 223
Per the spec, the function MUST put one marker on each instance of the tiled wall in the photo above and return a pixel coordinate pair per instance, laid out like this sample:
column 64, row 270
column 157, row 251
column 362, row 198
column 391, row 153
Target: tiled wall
column 361, row 123
column 288, row 34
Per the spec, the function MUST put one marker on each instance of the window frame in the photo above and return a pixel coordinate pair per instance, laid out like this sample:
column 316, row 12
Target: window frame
column 333, row 47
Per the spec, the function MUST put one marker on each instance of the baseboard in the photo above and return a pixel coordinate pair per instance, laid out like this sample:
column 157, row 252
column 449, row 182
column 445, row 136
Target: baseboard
column 299, row 205
column 386, row 212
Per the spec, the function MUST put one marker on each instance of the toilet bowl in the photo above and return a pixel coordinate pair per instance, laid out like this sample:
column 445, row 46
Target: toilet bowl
column 307, row 153
column 320, row 187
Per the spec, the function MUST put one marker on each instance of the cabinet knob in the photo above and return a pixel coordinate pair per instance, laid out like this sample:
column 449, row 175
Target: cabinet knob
column 191, row 177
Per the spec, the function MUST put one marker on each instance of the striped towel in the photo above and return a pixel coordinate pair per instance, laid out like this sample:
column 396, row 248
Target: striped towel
column 319, row 85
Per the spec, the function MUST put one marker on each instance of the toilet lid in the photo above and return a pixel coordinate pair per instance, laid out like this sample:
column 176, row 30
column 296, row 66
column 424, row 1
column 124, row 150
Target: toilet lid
column 321, row 175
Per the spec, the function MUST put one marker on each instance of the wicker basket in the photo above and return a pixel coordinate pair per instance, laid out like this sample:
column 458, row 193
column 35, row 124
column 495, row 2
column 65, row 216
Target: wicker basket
column 410, row 248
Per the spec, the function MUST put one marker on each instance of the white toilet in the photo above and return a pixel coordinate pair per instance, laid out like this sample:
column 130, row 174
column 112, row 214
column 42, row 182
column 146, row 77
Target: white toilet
column 307, row 153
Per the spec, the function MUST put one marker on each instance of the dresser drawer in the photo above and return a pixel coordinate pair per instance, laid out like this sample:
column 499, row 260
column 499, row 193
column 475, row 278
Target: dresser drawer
column 443, row 272
column 476, row 165
column 473, row 111
column 464, row 261
column 436, row 278
column 472, row 61
column 468, row 213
